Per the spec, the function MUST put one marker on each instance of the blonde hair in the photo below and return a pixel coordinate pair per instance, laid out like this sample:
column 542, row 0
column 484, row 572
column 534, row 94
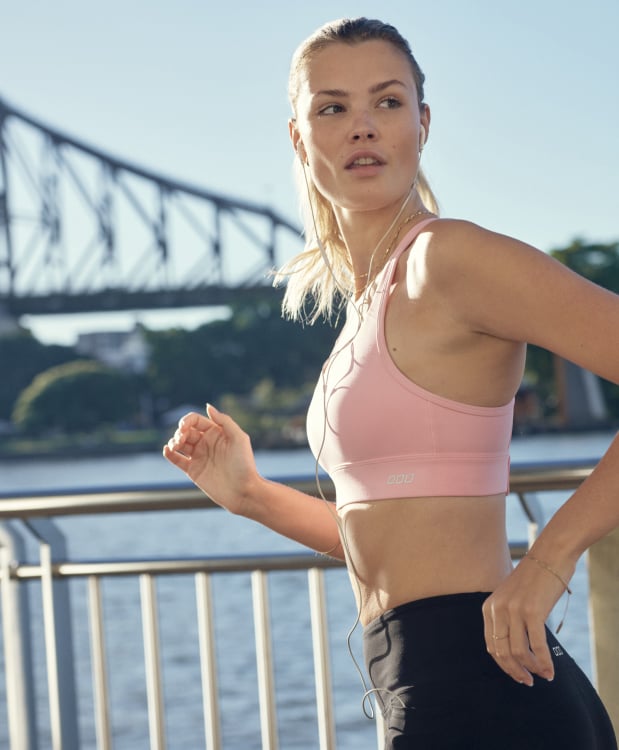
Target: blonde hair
column 327, row 283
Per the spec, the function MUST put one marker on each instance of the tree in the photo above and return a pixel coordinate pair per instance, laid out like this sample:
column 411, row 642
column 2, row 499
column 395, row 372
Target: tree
column 231, row 356
column 23, row 357
column 598, row 263
column 78, row 396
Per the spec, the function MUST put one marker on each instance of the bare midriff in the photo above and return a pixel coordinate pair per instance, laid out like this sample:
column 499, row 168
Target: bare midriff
column 403, row 549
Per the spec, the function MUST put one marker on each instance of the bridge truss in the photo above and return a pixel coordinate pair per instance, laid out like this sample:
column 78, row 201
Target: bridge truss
column 84, row 231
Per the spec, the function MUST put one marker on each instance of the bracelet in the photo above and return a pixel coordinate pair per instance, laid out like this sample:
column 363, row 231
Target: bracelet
column 547, row 567
column 566, row 586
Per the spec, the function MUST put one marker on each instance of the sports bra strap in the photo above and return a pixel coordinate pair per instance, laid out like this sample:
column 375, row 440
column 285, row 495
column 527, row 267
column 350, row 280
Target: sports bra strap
column 403, row 245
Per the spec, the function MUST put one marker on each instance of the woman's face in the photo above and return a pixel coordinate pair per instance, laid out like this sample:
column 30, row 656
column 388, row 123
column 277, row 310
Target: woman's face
column 358, row 123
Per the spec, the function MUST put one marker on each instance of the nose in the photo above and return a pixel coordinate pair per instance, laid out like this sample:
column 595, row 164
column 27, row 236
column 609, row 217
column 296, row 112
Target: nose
column 363, row 129
column 364, row 135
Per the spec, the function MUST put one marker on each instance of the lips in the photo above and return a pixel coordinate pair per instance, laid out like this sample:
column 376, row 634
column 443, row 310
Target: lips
column 364, row 159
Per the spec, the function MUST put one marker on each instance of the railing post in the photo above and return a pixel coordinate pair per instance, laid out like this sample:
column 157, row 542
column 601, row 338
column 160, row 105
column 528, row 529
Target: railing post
column 264, row 660
column 322, row 661
column 21, row 706
column 58, row 636
column 51, row 648
column 604, row 613
column 99, row 666
column 530, row 504
column 208, row 662
column 152, row 662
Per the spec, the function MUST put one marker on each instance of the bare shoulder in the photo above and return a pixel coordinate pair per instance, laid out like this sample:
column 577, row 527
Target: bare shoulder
column 455, row 250
column 501, row 286
column 463, row 260
column 460, row 242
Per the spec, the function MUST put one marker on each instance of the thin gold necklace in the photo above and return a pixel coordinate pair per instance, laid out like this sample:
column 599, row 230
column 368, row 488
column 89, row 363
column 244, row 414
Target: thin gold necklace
column 390, row 247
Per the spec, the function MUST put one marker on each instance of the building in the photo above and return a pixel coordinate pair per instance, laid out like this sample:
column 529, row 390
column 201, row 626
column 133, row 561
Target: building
column 123, row 350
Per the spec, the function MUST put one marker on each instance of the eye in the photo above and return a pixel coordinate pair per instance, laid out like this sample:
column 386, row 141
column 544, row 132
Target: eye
column 390, row 102
column 331, row 109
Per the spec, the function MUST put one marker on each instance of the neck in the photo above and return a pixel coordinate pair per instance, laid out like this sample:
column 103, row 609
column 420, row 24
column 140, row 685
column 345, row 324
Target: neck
column 370, row 237
column 364, row 232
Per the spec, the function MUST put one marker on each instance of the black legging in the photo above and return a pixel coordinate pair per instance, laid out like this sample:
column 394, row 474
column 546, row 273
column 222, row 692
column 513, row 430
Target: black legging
column 430, row 655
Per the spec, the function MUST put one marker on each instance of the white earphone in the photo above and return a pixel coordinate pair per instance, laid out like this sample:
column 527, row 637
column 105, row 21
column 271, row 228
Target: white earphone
column 422, row 137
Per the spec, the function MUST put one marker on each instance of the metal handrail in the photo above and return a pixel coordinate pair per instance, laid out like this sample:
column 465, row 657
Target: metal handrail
column 524, row 477
column 52, row 569
column 181, row 565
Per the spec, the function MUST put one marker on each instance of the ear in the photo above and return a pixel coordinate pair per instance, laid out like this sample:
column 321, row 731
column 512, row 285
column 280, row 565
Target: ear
column 295, row 136
column 424, row 125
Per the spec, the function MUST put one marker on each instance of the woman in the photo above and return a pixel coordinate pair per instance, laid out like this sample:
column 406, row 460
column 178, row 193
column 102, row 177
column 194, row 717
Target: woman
column 412, row 419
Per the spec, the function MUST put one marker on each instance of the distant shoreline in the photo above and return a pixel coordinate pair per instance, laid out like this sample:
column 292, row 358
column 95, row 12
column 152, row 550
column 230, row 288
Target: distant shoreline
column 115, row 444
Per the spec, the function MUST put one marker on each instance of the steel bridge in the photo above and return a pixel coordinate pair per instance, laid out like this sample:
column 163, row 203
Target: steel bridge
column 84, row 231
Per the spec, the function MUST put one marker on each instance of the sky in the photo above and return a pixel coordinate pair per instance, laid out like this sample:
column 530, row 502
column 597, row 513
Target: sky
column 524, row 99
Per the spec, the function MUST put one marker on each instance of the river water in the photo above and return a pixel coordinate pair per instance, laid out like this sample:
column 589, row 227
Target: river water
column 215, row 532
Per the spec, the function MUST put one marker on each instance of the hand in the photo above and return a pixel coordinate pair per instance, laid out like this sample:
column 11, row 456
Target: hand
column 514, row 619
column 216, row 455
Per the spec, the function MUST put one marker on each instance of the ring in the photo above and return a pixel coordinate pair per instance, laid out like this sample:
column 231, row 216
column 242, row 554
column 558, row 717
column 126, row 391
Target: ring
column 500, row 637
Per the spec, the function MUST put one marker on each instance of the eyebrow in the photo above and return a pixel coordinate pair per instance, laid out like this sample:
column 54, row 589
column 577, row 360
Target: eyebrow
column 375, row 89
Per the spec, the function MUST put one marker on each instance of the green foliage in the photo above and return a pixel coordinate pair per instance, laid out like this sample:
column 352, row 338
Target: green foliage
column 230, row 356
column 600, row 264
column 21, row 358
column 274, row 417
column 540, row 374
column 77, row 396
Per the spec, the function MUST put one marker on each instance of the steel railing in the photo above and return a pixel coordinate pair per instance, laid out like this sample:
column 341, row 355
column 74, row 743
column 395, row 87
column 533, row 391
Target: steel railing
column 53, row 569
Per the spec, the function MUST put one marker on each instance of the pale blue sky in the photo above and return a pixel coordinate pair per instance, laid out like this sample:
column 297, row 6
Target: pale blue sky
column 524, row 97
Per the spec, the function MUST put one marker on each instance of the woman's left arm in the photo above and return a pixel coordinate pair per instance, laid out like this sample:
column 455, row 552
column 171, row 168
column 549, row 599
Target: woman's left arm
column 507, row 289
column 522, row 603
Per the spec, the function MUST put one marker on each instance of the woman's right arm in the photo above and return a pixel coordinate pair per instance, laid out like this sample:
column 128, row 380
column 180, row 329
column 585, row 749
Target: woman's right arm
column 217, row 456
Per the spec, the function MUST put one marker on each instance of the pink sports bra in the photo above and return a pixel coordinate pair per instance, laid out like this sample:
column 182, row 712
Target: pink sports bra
column 379, row 435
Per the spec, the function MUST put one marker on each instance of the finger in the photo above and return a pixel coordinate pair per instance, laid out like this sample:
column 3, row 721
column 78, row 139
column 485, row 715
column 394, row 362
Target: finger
column 178, row 440
column 193, row 419
column 495, row 626
column 514, row 656
column 209, row 440
column 544, row 666
column 488, row 617
column 534, row 660
column 501, row 651
column 226, row 423
column 498, row 636
column 176, row 458
column 192, row 436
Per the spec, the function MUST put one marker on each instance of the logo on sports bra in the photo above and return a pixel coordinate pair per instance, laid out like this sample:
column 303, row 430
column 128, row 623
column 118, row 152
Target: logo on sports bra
column 400, row 478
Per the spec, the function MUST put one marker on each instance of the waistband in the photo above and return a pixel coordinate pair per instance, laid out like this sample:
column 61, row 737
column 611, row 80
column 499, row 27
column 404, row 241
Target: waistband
column 432, row 640
column 420, row 609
